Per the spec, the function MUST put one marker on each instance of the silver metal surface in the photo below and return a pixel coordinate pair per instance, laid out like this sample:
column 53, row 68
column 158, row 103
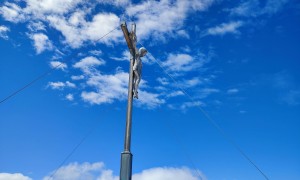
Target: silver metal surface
column 135, row 71
column 126, row 166
column 126, row 158
column 129, row 108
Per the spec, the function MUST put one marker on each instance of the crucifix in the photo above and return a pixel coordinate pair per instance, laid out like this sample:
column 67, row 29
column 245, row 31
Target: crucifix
column 135, row 72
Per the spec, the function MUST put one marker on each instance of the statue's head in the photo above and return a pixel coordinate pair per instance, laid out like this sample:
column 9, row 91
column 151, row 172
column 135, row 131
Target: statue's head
column 142, row 51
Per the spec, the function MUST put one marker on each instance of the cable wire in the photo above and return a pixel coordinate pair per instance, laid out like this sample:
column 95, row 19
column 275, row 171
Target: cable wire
column 182, row 147
column 214, row 123
column 71, row 153
column 44, row 74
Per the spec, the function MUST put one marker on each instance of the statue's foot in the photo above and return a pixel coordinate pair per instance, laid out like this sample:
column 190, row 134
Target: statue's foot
column 135, row 95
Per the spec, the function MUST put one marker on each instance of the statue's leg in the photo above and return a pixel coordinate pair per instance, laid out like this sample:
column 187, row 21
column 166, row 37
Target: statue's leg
column 137, row 80
column 133, row 87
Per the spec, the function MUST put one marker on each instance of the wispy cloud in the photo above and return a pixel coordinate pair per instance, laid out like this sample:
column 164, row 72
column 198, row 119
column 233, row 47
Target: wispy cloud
column 15, row 176
column 150, row 100
column 188, row 105
column 70, row 97
column 61, row 85
column 3, row 32
column 96, row 52
column 175, row 94
column 273, row 6
column 88, row 64
column 170, row 14
column 168, row 173
column 122, row 3
column 12, row 12
column 76, row 78
column 247, row 8
column 86, row 171
column 77, row 30
column 125, row 56
column 283, row 85
column 58, row 65
column 225, row 28
column 54, row 6
column 180, row 63
column 291, row 97
column 203, row 93
column 36, row 26
column 232, row 91
column 91, row 171
column 41, row 42
column 254, row 8
column 163, row 81
column 108, row 88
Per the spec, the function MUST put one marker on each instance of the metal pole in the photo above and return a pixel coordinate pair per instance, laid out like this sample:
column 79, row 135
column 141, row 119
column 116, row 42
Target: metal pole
column 126, row 156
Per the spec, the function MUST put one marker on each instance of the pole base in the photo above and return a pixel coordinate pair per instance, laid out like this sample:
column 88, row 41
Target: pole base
column 126, row 166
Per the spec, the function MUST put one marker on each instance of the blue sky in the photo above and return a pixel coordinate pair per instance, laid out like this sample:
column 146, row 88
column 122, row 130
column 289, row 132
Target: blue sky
column 237, row 60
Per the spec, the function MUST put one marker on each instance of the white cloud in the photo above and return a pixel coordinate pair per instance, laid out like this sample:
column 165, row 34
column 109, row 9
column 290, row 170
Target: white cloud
column 242, row 111
column 97, row 171
column 253, row 8
column 193, row 82
column 70, row 97
column 273, row 6
column 56, row 85
column 188, row 83
column 149, row 100
column 66, row 18
column 12, row 12
column 232, row 91
column 61, row 85
column 36, row 26
column 43, row 7
column 225, row 28
column 183, row 33
column 203, row 93
column 122, row 3
column 72, row 22
column 58, row 65
column 16, row 176
column 187, row 105
column 88, row 64
column 182, row 62
column 3, row 32
column 247, row 8
column 168, row 173
column 76, row 78
column 76, row 171
column 41, row 42
column 161, row 19
column 175, row 94
column 96, row 52
column 77, row 30
column 200, row 5
column 69, row 84
column 163, row 81
column 125, row 56
column 108, row 88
